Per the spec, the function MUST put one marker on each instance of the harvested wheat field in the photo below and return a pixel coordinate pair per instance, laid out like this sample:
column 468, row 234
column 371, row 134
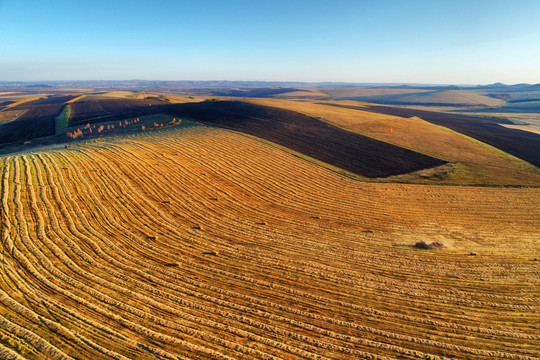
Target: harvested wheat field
column 201, row 243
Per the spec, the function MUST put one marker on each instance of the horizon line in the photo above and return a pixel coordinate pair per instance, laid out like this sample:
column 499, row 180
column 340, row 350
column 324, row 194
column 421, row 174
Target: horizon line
column 261, row 81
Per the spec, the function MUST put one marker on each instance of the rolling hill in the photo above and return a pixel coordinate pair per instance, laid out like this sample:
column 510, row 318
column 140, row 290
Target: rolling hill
column 522, row 144
column 204, row 243
column 346, row 150
column 426, row 97
column 471, row 162
column 349, row 151
column 236, row 230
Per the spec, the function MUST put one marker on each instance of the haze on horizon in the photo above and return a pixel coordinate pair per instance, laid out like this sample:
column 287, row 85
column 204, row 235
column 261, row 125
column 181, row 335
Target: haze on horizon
column 450, row 42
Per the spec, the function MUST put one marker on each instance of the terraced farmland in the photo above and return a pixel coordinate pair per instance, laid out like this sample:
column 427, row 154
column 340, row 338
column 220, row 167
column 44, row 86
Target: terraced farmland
column 202, row 243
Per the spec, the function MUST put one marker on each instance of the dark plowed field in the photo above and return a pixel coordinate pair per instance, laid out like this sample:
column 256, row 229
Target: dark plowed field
column 55, row 99
column 38, row 121
column 347, row 150
column 522, row 144
column 90, row 111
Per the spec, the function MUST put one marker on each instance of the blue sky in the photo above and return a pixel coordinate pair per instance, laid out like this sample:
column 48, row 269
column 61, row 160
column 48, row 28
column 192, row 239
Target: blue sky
column 432, row 41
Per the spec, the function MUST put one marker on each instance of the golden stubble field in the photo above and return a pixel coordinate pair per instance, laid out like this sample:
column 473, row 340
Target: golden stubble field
column 201, row 243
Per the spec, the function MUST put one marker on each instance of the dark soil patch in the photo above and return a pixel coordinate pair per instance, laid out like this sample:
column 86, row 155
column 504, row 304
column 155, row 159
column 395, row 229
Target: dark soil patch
column 38, row 121
column 54, row 99
column 90, row 111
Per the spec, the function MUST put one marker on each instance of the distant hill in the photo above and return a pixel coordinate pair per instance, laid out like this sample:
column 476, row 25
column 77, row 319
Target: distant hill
column 424, row 97
column 231, row 84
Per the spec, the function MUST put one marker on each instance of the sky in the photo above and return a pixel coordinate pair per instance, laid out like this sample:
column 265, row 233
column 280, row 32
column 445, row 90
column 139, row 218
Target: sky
column 413, row 41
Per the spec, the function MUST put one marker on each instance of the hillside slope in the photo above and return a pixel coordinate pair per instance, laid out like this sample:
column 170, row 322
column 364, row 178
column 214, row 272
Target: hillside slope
column 522, row 144
column 202, row 243
column 350, row 151
column 422, row 97
column 473, row 162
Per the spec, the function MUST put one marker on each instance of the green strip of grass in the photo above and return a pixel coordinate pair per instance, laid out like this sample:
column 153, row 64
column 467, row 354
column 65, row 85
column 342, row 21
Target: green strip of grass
column 62, row 120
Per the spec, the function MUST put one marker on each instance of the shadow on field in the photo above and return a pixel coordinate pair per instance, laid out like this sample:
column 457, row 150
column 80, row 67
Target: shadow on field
column 347, row 150
column 522, row 144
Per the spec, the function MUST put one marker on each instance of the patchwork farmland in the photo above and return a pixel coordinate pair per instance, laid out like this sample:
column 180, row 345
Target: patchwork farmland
column 204, row 243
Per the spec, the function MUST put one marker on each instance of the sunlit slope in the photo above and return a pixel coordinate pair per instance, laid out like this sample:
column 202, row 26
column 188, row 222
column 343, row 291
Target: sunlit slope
column 202, row 243
column 417, row 97
column 474, row 163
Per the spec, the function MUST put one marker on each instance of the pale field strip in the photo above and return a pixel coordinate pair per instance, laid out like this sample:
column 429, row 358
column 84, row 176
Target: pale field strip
column 75, row 99
column 97, row 264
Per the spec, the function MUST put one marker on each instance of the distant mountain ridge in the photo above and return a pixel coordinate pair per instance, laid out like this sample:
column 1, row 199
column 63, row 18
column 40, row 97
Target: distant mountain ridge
column 230, row 84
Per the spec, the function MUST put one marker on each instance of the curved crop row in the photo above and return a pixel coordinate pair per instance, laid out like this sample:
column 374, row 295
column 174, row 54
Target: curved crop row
column 202, row 243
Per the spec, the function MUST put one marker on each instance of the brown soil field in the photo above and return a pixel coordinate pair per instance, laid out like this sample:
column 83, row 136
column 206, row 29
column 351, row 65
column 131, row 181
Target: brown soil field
column 10, row 115
column 474, row 163
column 53, row 99
column 202, row 243
column 23, row 100
column 75, row 99
column 98, row 109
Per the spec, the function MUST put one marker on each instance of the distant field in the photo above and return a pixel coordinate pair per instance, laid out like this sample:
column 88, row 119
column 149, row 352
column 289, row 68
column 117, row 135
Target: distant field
column 119, row 94
column 8, row 116
column 203, row 243
column 93, row 110
column 307, row 93
column 518, row 107
column 522, row 144
column 352, row 92
column 432, row 98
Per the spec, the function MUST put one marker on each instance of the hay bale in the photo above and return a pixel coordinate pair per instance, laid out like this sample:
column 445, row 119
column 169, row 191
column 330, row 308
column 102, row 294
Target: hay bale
column 197, row 227
column 212, row 253
column 151, row 237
